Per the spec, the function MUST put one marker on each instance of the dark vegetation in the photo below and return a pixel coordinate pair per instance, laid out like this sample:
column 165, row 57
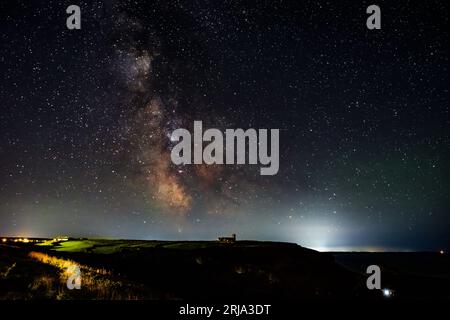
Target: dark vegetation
column 200, row 270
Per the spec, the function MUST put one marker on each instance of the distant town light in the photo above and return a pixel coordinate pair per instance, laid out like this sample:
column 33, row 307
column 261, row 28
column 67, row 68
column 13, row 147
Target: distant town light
column 387, row 293
column 4, row 239
column 60, row 238
column 441, row 252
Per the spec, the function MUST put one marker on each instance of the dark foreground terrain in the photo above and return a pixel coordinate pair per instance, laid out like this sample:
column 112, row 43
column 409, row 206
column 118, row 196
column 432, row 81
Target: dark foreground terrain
column 210, row 271
column 409, row 275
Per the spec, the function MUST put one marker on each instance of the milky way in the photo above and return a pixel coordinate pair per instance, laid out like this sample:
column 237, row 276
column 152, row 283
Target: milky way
column 363, row 116
column 157, row 107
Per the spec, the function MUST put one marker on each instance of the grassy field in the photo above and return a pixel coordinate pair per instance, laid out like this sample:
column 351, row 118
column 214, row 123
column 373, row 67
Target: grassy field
column 102, row 246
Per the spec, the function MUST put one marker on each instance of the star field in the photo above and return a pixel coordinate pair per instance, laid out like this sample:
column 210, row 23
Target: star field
column 86, row 117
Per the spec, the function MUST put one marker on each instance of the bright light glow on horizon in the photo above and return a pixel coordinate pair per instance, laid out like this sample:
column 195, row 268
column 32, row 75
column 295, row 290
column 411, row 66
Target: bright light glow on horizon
column 358, row 249
column 349, row 249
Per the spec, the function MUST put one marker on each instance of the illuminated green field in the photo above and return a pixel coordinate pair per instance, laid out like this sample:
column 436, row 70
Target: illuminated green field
column 104, row 246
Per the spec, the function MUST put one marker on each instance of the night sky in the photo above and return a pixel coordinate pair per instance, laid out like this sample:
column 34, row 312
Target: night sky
column 86, row 117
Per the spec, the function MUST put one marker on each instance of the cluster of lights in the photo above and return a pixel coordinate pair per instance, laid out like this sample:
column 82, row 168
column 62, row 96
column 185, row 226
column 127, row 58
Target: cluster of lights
column 60, row 238
column 23, row 240
column 26, row 240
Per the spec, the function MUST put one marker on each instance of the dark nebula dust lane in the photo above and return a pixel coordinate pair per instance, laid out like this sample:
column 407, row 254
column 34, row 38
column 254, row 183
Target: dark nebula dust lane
column 86, row 119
